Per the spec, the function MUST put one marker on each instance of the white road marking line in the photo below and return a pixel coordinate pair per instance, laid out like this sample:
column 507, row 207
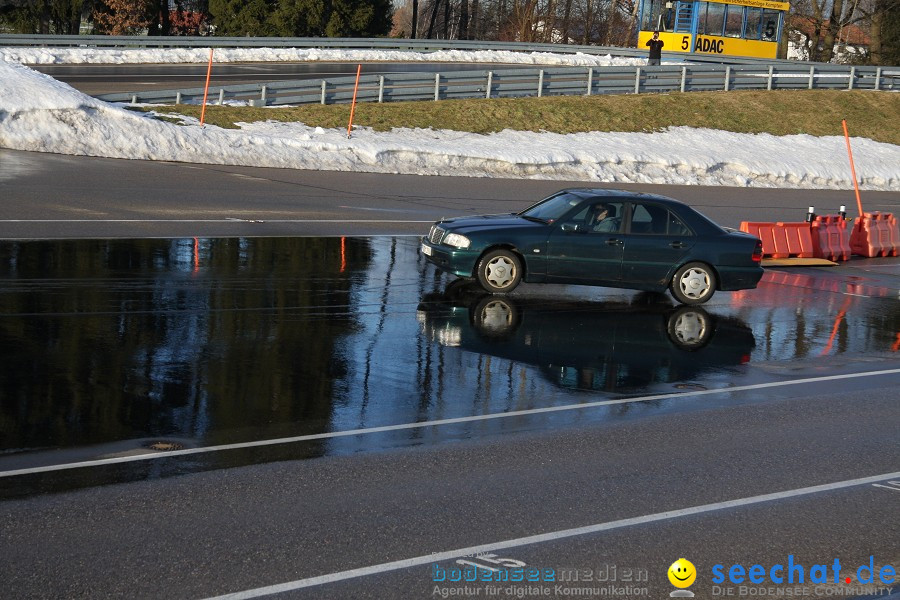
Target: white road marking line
column 546, row 537
column 424, row 424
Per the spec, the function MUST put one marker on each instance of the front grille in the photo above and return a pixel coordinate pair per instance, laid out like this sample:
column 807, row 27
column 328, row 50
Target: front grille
column 436, row 235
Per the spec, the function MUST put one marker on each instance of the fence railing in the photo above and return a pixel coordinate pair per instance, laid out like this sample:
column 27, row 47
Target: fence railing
column 516, row 83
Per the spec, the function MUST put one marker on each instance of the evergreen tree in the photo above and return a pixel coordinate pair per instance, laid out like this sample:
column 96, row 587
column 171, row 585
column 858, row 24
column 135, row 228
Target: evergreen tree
column 359, row 18
column 251, row 18
column 300, row 18
column 890, row 37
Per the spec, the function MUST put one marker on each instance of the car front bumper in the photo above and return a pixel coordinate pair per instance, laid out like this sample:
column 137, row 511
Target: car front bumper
column 452, row 260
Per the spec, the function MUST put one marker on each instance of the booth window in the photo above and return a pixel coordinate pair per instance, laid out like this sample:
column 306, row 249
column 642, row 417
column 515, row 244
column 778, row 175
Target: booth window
column 734, row 21
column 770, row 25
column 754, row 18
column 712, row 18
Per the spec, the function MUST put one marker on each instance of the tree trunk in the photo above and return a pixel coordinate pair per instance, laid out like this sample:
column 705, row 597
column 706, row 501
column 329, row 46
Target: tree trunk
column 434, row 10
column 474, row 20
column 834, row 28
column 567, row 13
column 632, row 24
column 446, row 19
column 463, row 19
column 611, row 22
column 415, row 19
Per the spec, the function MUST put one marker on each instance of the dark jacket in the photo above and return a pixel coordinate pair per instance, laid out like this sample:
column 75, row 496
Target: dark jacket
column 655, row 48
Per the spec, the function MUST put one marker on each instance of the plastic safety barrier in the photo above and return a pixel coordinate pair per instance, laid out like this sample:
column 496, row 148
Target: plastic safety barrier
column 873, row 235
column 782, row 240
column 831, row 238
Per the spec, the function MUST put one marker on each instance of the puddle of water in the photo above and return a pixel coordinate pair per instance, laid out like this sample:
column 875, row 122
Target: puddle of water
column 109, row 345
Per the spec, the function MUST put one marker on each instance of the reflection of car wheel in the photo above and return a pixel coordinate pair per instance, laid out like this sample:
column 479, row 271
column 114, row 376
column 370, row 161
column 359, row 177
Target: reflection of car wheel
column 694, row 283
column 690, row 328
column 495, row 317
column 499, row 271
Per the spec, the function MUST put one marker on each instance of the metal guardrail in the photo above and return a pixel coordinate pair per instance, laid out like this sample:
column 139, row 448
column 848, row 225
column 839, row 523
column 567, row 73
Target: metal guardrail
column 516, row 83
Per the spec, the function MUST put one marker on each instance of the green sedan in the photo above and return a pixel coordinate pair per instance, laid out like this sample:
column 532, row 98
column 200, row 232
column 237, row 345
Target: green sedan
column 599, row 237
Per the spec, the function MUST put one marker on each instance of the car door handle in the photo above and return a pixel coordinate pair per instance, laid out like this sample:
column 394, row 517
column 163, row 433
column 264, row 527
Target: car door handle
column 677, row 245
column 614, row 242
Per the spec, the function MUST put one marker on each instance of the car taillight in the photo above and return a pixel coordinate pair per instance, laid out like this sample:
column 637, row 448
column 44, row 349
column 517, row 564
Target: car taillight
column 758, row 252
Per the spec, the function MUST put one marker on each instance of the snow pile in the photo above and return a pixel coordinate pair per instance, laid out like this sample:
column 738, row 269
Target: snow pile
column 41, row 114
column 50, row 56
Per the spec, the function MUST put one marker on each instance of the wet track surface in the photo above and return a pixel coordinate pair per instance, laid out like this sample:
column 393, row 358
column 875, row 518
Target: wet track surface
column 139, row 350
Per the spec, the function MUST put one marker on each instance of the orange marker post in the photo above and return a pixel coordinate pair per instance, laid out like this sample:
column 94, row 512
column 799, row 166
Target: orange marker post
column 353, row 105
column 852, row 168
column 206, row 89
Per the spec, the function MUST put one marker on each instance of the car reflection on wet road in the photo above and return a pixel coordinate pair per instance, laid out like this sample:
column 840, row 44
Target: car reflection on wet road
column 611, row 346
column 110, row 348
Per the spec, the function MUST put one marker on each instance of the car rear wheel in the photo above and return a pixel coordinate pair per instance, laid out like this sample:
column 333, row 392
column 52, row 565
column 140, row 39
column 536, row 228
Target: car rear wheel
column 499, row 271
column 694, row 283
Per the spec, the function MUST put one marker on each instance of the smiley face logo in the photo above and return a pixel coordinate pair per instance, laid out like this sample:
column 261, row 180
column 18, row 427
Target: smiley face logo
column 682, row 573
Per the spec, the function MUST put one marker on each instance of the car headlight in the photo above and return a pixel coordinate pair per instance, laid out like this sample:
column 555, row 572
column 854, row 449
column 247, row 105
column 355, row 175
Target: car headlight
column 457, row 241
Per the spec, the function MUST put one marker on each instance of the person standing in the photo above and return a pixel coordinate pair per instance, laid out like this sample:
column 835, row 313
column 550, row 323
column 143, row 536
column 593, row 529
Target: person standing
column 655, row 45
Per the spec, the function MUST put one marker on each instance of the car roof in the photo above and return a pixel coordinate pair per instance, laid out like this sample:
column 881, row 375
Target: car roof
column 623, row 194
column 698, row 220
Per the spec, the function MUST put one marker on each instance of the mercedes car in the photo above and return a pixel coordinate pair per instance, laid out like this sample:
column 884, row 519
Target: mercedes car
column 599, row 237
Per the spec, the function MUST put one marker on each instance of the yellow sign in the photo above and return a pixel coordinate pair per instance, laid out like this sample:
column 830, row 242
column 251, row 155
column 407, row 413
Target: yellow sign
column 770, row 4
column 709, row 44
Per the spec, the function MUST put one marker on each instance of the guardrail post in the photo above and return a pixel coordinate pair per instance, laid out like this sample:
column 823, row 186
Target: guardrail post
column 878, row 79
column 727, row 76
column 771, row 76
column 590, row 80
column 324, row 87
column 852, row 77
column 134, row 99
column 262, row 96
column 221, row 96
column 637, row 80
column 683, row 79
column 540, row 83
column 381, row 89
column 490, row 83
column 437, row 86
column 177, row 97
column 812, row 74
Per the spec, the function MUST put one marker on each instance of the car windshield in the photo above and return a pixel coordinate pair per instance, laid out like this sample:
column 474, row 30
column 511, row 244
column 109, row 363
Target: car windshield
column 552, row 208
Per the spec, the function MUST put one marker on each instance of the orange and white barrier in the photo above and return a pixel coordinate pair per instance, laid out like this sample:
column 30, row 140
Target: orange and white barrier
column 782, row 240
column 831, row 238
column 875, row 234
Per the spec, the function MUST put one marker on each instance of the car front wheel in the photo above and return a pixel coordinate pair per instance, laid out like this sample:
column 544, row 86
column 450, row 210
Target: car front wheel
column 694, row 283
column 499, row 271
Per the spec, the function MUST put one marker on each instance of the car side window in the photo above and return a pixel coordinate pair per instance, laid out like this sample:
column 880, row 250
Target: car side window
column 650, row 219
column 599, row 216
column 677, row 226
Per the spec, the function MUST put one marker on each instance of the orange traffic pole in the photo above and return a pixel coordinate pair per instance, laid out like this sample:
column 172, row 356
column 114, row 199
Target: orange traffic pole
column 852, row 168
column 206, row 89
column 353, row 105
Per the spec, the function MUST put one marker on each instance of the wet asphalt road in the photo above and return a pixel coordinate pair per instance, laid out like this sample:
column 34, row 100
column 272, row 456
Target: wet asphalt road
column 698, row 433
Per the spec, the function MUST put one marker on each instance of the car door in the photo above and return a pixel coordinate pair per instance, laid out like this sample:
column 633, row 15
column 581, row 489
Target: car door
column 657, row 241
column 578, row 252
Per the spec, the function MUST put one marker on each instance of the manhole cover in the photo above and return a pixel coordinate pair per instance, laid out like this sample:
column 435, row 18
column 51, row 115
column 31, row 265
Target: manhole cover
column 163, row 446
column 696, row 387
